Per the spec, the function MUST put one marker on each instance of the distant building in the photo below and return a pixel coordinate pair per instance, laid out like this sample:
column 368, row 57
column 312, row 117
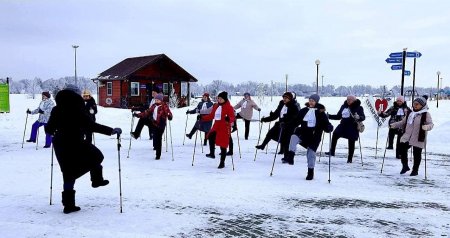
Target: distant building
column 130, row 82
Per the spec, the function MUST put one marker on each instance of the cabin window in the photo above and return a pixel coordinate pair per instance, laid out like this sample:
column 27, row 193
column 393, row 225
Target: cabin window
column 109, row 88
column 165, row 88
column 134, row 88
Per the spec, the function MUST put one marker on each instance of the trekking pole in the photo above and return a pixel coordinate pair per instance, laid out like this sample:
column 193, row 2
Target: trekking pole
column 93, row 138
column 384, row 156
column 201, row 141
column 259, row 138
column 120, row 171
column 320, row 154
column 23, row 138
column 376, row 143
column 131, row 130
column 171, row 144
column 51, row 176
column 232, row 161
column 329, row 162
column 195, row 145
column 167, row 143
column 239, row 145
column 267, row 146
column 276, row 151
column 425, row 148
column 360, row 150
column 185, row 126
column 37, row 138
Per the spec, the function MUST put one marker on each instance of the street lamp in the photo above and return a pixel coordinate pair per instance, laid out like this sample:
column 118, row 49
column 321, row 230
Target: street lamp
column 317, row 75
column 321, row 91
column 437, row 95
column 75, row 48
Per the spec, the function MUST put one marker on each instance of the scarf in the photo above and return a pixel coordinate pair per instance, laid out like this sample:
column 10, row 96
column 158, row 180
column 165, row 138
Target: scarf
column 155, row 112
column 244, row 104
column 283, row 111
column 413, row 114
column 218, row 114
column 346, row 113
column 310, row 117
column 204, row 106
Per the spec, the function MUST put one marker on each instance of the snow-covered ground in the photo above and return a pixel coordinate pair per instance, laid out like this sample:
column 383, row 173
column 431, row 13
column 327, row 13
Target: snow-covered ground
column 172, row 198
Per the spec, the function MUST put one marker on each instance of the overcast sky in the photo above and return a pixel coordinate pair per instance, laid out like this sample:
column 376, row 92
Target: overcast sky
column 234, row 40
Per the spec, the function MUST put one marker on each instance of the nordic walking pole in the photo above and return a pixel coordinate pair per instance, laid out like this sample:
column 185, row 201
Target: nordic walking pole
column 185, row 126
column 239, row 145
column 131, row 130
column 376, row 143
column 259, row 138
column 120, row 171
column 232, row 161
column 329, row 162
column 37, row 138
column 171, row 144
column 320, row 154
column 93, row 138
column 24, row 130
column 267, row 146
column 384, row 156
column 195, row 145
column 167, row 143
column 360, row 150
column 276, row 151
column 425, row 148
column 51, row 176
column 201, row 141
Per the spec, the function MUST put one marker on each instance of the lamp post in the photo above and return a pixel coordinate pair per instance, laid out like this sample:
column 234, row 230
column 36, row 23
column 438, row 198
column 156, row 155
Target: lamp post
column 75, row 48
column 317, row 75
column 321, row 90
column 437, row 95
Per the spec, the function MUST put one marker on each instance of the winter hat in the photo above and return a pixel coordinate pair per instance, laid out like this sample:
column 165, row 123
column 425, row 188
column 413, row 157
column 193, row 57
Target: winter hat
column 46, row 94
column 246, row 94
column 350, row 96
column 86, row 93
column 421, row 100
column 72, row 88
column 315, row 97
column 401, row 98
column 288, row 95
column 223, row 95
column 425, row 96
column 206, row 95
column 156, row 89
column 159, row 96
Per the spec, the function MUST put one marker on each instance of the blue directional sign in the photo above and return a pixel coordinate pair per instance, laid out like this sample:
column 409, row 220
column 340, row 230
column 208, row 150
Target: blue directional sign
column 407, row 73
column 396, row 67
column 413, row 54
column 396, row 55
column 394, row 60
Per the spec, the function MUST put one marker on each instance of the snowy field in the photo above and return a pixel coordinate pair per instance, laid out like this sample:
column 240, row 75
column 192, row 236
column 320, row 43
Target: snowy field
column 172, row 198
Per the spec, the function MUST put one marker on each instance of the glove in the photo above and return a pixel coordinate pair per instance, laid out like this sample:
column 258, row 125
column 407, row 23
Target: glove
column 259, row 109
column 136, row 114
column 187, row 112
column 282, row 124
column 91, row 111
column 356, row 116
column 424, row 127
column 227, row 119
column 199, row 117
column 329, row 128
column 170, row 117
column 40, row 111
column 117, row 131
column 28, row 111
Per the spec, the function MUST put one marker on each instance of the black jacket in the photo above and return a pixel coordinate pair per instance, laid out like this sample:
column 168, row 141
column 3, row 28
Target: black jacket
column 348, row 127
column 90, row 104
column 392, row 112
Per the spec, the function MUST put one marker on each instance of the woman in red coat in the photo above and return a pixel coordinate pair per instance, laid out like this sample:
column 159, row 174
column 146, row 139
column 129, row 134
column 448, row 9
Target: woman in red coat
column 220, row 133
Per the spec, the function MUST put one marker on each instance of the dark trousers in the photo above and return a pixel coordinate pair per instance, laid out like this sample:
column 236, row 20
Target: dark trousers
column 391, row 135
column 157, row 140
column 417, row 154
column 141, row 123
column 88, row 137
column 212, row 143
column 351, row 146
column 247, row 125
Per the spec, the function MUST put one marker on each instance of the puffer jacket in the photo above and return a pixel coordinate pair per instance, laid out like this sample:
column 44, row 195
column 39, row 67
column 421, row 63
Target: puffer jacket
column 347, row 128
column 393, row 111
column 46, row 106
column 412, row 131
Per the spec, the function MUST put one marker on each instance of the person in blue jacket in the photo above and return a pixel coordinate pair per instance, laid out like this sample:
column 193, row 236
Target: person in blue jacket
column 203, row 108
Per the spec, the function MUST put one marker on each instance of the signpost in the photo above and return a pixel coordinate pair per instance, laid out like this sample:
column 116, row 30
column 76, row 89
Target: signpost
column 397, row 67
column 4, row 96
column 394, row 60
column 400, row 57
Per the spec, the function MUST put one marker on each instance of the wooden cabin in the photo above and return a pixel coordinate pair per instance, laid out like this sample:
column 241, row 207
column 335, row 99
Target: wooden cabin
column 130, row 82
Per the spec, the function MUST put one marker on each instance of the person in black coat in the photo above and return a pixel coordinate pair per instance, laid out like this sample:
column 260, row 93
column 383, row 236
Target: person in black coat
column 67, row 124
column 350, row 112
column 313, row 122
column 203, row 108
column 287, row 112
column 91, row 109
column 396, row 113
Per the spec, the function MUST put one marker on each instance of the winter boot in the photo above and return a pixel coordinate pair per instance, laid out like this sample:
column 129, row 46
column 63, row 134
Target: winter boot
column 260, row 147
column 288, row 158
column 191, row 133
column 415, row 169
column 31, row 141
column 405, row 166
column 68, row 201
column 212, row 149
column 310, row 174
column 222, row 158
column 205, row 141
column 97, row 177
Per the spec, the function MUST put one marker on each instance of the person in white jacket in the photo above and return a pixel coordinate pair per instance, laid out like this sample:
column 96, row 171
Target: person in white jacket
column 44, row 110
